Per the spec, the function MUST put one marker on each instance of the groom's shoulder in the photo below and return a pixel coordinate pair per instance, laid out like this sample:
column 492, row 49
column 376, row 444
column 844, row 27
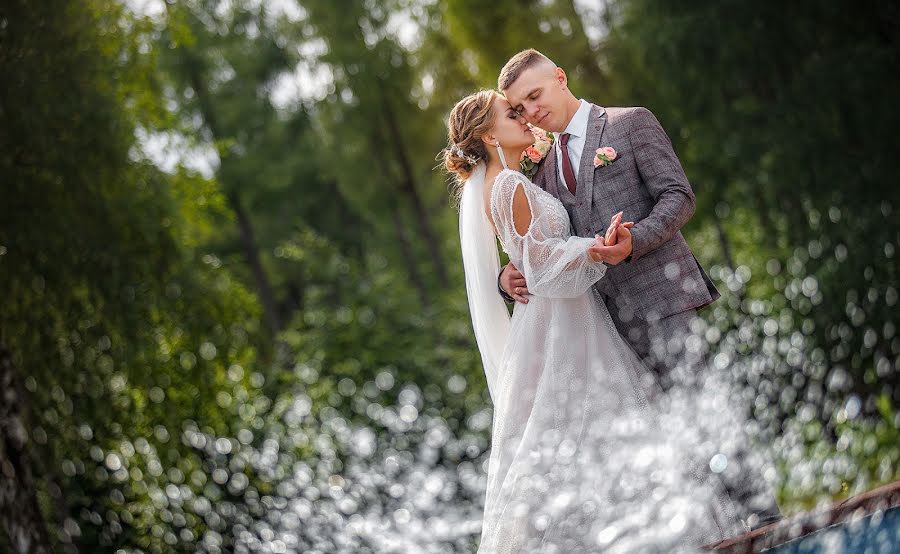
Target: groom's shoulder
column 622, row 114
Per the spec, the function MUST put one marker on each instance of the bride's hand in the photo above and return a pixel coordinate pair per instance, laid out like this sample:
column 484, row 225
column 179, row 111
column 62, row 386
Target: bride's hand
column 602, row 241
column 616, row 253
column 614, row 236
column 609, row 238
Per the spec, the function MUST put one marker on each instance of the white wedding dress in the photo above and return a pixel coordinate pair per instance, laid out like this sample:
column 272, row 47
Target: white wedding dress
column 581, row 460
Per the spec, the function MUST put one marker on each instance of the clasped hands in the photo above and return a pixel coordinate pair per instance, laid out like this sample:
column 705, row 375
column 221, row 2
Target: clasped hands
column 615, row 245
column 611, row 248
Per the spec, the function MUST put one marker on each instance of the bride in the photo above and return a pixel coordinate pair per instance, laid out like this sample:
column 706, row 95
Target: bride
column 584, row 456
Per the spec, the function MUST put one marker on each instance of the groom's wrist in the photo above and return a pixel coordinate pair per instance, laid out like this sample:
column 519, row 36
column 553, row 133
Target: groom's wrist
column 502, row 292
column 635, row 244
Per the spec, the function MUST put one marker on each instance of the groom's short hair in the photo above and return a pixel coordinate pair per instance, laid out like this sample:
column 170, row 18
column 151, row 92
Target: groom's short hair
column 519, row 63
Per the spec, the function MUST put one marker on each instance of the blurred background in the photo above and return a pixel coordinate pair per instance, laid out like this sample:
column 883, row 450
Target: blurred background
column 234, row 316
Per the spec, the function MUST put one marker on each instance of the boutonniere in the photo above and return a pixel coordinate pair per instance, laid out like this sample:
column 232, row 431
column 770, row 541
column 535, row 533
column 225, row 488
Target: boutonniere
column 533, row 155
column 606, row 155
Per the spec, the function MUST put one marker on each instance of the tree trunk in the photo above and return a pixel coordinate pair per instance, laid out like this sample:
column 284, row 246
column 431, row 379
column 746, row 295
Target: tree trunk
column 293, row 302
column 20, row 515
column 406, row 251
column 245, row 226
column 348, row 240
column 764, row 215
column 408, row 185
column 587, row 58
column 251, row 253
column 724, row 243
column 403, row 240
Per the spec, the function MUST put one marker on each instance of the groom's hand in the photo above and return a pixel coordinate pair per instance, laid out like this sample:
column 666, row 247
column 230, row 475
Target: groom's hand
column 513, row 283
column 619, row 250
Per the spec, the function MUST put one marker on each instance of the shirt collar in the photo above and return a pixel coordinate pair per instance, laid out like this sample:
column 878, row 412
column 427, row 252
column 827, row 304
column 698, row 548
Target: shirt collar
column 577, row 126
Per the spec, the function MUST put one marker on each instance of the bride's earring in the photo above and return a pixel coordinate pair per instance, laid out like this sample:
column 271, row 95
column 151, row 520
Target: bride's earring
column 502, row 157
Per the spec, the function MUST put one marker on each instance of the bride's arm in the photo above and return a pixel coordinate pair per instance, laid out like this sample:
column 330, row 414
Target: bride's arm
column 521, row 210
column 556, row 266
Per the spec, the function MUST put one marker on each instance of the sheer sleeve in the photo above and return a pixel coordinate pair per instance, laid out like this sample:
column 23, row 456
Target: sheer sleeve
column 554, row 263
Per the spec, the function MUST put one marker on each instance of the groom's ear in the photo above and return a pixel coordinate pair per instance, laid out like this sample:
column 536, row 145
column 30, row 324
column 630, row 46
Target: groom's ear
column 561, row 77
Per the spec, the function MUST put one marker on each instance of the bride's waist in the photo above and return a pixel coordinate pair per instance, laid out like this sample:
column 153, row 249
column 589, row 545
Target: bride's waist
column 547, row 304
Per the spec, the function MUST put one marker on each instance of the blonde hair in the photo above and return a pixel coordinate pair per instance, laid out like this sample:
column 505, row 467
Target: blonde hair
column 519, row 63
column 469, row 120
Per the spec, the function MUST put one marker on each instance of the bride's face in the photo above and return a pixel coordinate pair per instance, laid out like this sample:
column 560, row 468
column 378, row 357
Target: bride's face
column 509, row 127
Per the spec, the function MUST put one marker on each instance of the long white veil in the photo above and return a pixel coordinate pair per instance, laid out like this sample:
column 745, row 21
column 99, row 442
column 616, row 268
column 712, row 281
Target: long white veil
column 481, row 261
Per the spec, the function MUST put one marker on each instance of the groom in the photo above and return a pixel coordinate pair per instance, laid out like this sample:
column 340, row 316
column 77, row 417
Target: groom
column 654, row 285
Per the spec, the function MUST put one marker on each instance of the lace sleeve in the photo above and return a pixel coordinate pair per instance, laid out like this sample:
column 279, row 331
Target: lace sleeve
column 554, row 263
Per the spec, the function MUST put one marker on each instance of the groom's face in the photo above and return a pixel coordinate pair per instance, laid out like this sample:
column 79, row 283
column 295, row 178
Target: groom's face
column 539, row 95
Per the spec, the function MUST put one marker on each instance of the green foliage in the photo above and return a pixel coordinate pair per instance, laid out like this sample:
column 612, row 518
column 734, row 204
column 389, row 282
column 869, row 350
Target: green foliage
column 120, row 325
column 864, row 454
column 358, row 321
column 782, row 124
column 487, row 35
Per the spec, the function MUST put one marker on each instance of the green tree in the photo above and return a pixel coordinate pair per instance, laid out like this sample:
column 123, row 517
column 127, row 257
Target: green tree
column 117, row 326
column 782, row 116
column 489, row 34
column 375, row 142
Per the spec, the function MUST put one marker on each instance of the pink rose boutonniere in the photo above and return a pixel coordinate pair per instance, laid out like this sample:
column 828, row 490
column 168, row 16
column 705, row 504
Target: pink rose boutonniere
column 533, row 155
column 606, row 155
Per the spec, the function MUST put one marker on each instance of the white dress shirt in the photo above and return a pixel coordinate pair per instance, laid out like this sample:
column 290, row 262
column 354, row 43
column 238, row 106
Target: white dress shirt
column 577, row 129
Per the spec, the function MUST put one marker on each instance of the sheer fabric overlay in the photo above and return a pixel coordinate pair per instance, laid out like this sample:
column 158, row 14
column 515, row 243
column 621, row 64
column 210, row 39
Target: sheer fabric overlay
column 582, row 460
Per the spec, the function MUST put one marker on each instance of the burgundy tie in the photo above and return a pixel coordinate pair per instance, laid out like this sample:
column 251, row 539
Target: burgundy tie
column 568, row 174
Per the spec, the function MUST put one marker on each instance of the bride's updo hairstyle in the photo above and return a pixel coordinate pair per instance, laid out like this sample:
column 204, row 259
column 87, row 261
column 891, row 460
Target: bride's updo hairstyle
column 470, row 119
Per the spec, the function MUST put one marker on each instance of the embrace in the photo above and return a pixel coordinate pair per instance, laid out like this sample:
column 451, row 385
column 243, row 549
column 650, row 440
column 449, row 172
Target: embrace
column 589, row 451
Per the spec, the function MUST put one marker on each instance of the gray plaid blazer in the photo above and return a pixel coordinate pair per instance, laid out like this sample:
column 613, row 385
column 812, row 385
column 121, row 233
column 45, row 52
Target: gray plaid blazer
column 647, row 183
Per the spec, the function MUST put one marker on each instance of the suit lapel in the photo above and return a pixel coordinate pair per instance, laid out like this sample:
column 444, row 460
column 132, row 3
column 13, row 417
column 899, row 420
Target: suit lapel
column 585, row 189
column 596, row 123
